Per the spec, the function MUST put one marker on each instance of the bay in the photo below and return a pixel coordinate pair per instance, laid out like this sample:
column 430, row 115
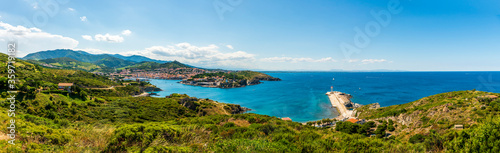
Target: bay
column 301, row 95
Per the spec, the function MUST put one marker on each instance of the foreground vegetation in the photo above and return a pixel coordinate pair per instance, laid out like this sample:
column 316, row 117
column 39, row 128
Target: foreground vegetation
column 92, row 120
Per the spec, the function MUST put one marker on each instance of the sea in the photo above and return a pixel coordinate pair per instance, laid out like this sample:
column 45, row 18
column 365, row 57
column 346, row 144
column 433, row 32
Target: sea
column 301, row 95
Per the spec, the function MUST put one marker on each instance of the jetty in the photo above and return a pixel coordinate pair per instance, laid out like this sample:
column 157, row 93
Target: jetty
column 339, row 100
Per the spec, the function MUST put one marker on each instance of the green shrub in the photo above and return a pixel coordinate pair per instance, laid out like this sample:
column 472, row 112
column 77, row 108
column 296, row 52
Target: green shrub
column 417, row 138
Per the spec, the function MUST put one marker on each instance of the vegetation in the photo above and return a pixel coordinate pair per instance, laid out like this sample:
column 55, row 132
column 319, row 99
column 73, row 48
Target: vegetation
column 113, row 62
column 84, row 56
column 149, row 66
column 69, row 63
column 239, row 75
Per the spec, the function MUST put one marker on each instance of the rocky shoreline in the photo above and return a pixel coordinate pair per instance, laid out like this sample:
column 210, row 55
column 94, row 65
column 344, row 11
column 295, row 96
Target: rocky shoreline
column 227, row 84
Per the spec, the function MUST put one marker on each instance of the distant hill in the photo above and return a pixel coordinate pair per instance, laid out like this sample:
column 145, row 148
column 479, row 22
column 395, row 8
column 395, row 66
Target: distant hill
column 80, row 60
column 114, row 62
column 154, row 65
column 78, row 55
column 137, row 58
column 87, row 57
column 69, row 63
column 29, row 76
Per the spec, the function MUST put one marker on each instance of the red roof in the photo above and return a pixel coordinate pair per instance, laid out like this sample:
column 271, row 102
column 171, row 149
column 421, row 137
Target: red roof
column 286, row 118
column 352, row 120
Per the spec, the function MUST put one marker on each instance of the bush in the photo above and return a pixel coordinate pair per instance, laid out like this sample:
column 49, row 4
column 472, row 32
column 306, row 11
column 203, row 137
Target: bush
column 391, row 128
column 140, row 134
column 417, row 138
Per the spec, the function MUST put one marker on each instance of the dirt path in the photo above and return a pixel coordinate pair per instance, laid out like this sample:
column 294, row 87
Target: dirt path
column 3, row 136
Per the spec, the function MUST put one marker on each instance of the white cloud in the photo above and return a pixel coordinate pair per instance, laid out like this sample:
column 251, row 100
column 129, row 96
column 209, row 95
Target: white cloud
column 33, row 39
column 296, row 60
column 369, row 61
column 35, row 5
column 353, row 60
column 126, row 32
column 87, row 37
column 83, row 18
column 71, row 9
column 109, row 38
column 206, row 56
column 229, row 46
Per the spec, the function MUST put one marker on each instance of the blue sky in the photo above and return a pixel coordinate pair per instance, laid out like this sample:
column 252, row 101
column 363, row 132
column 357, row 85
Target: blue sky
column 421, row 35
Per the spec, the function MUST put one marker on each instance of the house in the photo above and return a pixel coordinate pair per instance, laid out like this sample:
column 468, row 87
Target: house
column 352, row 120
column 286, row 118
column 65, row 86
column 356, row 121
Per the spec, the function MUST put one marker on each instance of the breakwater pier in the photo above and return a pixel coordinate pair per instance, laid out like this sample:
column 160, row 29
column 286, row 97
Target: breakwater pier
column 339, row 100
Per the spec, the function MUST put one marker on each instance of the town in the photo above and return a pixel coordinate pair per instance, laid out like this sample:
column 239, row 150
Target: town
column 160, row 73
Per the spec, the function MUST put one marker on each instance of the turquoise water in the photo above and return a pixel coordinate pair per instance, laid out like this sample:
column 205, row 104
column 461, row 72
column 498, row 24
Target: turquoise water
column 301, row 96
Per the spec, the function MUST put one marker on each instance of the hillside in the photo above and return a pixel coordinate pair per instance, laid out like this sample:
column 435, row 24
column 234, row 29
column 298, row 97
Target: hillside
column 113, row 62
column 69, row 63
column 438, row 114
column 137, row 58
column 78, row 55
column 239, row 75
column 62, row 58
column 150, row 66
column 86, row 57
column 30, row 76
column 227, row 79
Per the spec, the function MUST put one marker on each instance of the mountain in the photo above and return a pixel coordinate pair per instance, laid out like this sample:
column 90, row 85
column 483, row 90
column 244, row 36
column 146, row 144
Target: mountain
column 86, row 57
column 153, row 65
column 69, row 63
column 113, row 62
column 78, row 55
column 137, row 58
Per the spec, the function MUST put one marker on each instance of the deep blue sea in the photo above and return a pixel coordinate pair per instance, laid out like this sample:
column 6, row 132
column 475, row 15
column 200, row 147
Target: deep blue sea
column 301, row 95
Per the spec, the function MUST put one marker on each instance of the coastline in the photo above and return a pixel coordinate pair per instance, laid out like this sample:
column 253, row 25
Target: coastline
column 214, row 86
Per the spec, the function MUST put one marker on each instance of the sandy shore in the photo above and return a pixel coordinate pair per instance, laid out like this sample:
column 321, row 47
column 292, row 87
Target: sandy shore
column 145, row 94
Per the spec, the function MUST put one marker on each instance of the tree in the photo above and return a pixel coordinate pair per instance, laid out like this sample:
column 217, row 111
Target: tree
column 417, row 138
column 381, row 130
column 381, row 134
column 348, row 127
column 391, row 128
column 371, row 124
